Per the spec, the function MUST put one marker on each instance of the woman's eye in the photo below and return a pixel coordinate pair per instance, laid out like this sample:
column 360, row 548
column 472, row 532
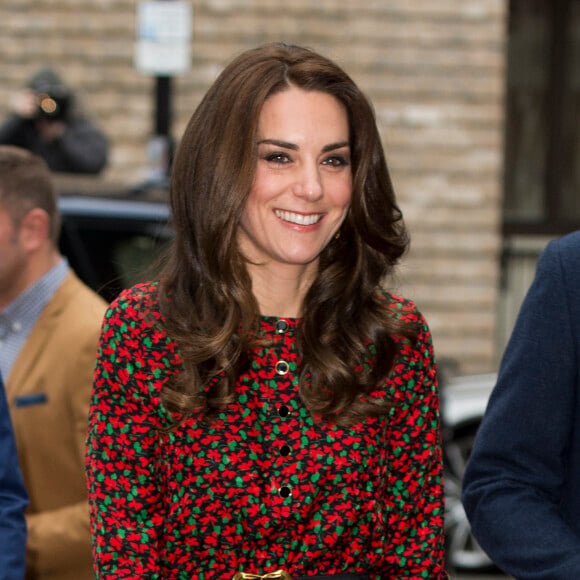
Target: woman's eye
column 336, row 161
column 277, row 158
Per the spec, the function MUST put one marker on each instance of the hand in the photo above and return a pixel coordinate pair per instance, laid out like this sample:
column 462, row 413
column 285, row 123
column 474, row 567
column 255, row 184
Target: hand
column 24, row 104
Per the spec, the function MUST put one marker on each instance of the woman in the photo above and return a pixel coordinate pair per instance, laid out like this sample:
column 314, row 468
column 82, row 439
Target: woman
column 265, row 409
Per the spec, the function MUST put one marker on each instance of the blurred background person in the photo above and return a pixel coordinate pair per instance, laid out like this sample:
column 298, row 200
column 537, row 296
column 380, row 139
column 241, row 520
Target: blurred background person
column 49, row 323
column 13, row 500
column 45, row 120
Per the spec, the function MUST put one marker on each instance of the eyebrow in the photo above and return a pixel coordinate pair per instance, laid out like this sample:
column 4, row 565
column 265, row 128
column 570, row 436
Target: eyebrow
column 294, row 147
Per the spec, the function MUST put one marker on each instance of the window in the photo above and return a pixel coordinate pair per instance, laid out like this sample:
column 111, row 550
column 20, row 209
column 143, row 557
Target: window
column 542, row 151
column 113, row 244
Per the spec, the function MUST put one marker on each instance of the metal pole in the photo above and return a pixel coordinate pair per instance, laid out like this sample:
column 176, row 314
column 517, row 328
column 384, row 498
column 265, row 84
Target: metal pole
column 163, row 106
column 162, row 144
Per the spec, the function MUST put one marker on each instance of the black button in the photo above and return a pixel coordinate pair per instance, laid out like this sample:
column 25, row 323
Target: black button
column 285, row 450
column 283, row 411
column 281, row 326
column 282, row 367
column 284, row 491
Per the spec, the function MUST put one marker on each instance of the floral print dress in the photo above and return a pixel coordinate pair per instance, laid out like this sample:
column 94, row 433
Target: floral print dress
column 265, row 487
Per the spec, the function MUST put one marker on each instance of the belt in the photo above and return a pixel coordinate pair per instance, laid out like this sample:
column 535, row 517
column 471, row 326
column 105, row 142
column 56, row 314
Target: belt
column 283, row 575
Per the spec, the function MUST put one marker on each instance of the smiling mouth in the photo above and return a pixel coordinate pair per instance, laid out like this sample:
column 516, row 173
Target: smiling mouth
column 297, row 218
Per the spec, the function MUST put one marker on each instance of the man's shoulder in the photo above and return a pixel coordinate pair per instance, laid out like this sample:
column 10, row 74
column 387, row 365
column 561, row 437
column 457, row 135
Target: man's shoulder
column 74, row 301
column 71, row 320
column 569, row 244
column 78, row 293
column 563, row 255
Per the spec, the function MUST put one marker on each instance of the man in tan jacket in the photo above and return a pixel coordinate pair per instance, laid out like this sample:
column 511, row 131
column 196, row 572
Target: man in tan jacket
column 49, row 328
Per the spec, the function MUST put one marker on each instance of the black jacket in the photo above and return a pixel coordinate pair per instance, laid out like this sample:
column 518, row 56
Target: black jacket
column 81, row 149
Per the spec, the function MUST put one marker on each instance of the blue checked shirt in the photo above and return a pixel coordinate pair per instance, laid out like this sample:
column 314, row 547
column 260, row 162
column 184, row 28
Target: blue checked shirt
column 18, row 318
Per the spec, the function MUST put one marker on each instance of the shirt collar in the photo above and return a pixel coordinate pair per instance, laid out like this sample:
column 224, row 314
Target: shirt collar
column 29, row 304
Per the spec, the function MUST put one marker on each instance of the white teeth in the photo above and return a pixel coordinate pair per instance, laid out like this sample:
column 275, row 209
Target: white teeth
column 296, row 218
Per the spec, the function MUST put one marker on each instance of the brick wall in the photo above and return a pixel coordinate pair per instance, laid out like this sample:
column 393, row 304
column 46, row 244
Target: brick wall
column 434, row 70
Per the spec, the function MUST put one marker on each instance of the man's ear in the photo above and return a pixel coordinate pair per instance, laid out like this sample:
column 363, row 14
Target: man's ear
column 34, row 231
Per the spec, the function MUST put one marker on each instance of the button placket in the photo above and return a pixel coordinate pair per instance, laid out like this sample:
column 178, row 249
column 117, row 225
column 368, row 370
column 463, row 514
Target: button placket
column 282, row 368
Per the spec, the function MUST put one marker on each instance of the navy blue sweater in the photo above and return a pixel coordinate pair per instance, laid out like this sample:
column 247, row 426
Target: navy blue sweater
column 521, row 490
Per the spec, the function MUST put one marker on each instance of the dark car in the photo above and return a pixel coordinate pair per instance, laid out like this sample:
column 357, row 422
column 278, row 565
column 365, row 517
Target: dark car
column 463, row 403
column 111, row 234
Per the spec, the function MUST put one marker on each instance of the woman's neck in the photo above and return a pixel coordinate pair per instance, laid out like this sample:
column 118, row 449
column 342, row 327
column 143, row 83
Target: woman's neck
column 280, row 290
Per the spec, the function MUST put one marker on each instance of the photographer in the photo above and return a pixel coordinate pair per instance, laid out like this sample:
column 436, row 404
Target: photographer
column 45, row 122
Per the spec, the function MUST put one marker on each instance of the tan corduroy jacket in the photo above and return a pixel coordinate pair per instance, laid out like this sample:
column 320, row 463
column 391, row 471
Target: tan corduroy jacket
column 49, row 390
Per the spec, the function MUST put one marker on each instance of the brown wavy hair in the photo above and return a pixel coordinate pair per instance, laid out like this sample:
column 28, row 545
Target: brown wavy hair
column 205, row 290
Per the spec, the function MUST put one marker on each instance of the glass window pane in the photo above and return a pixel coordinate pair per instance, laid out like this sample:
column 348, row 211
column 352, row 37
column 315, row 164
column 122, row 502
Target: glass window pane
column 568, row 155
column 526, row 121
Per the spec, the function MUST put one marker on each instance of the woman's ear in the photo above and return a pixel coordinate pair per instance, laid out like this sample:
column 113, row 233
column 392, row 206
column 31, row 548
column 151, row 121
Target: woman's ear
column 34, row 231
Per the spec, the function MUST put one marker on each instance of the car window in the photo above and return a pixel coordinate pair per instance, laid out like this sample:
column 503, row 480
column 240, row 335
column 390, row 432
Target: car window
column 110, row 247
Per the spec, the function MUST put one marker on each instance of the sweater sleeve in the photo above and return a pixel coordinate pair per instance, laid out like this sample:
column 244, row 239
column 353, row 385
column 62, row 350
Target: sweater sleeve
column 512, row 486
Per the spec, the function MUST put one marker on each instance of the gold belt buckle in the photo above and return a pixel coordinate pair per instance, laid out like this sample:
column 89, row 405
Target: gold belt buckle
column 282, row 574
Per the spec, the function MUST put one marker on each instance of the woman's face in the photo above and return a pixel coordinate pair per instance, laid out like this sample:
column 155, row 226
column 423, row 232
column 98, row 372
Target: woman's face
column 303, row 182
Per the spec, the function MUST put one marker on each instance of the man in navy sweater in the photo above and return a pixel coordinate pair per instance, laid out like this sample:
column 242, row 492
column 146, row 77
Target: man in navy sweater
column 13, row 501
column 521, row 490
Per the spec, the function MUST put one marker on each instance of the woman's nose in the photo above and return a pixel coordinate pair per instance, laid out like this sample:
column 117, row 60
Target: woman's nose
column 308, row 183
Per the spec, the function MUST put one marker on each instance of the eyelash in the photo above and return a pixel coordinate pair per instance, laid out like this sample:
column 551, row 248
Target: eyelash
column 283, row 158
column 336, row 161
column 277, row 157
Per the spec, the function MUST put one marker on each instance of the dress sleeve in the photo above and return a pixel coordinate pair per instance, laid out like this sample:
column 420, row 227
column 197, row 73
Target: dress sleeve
column 416, row 502
column 123, row 446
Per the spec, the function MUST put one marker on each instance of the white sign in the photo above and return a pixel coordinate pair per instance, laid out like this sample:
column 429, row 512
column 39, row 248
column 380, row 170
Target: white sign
column 163, row 44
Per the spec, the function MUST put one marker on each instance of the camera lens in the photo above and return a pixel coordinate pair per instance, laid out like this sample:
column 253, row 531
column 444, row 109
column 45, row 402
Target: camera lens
column 47, row 105
column 52, row 105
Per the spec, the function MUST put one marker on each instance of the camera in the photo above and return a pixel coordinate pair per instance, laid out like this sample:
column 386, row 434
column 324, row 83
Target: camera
column 52, row 104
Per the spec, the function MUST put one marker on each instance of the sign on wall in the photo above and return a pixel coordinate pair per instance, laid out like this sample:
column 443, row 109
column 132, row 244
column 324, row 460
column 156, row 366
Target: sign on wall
column 164, row 30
